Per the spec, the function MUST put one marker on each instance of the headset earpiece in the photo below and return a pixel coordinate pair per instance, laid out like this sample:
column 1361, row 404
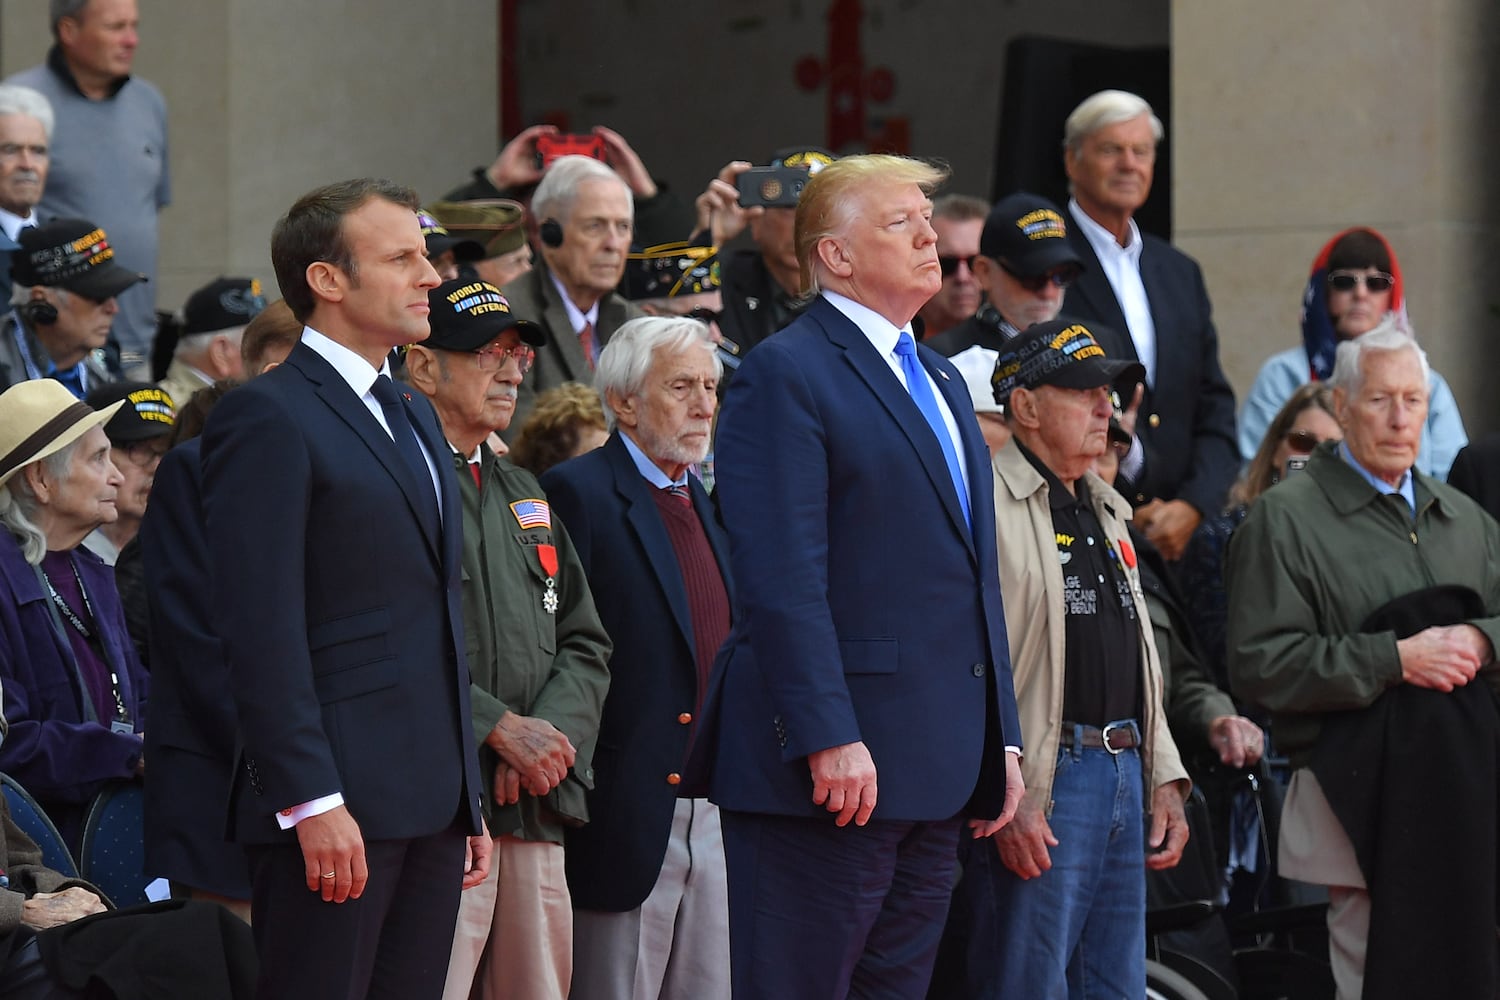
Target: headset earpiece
column 551, row 233
column 39, row 312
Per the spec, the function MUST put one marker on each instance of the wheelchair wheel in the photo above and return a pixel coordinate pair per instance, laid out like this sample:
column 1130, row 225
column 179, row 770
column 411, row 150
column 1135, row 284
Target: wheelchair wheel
column 1164, row 984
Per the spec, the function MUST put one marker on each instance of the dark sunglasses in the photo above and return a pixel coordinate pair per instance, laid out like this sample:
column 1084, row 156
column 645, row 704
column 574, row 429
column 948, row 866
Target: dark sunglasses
column 949, row 265
column 1344, row 281
column 1061, row 276
column 1302, row 440
column 704, row 315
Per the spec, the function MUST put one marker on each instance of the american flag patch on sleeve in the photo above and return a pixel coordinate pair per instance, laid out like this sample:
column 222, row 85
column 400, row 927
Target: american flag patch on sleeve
column 532, row 514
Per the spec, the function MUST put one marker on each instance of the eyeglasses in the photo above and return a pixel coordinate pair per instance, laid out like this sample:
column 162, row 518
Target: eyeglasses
column 492, row 359
column 1061, row 276
column 703, row 314
column 143, row 453
column 1302, row 440
column 1344, row 281
column 949, row 265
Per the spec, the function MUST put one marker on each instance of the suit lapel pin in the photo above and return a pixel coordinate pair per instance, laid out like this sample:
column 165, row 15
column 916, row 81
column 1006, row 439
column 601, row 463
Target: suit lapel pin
column 407, row 396
column 944, row 374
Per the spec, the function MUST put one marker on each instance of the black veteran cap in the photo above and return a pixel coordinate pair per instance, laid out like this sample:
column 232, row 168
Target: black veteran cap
column 670, row 269
column 466, row 315
column 222, row 304
column 439, row 240
column 1027, row 232
column 1062, row 353
column 73, row 254
column 147, row 411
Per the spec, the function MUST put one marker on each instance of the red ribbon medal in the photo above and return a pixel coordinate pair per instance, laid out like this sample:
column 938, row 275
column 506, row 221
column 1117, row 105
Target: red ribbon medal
column 547, row 556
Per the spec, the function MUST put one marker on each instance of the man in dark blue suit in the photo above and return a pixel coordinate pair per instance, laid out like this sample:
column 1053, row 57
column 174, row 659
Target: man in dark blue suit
column 1152, row 299
column 192, row 734
column 869, row 653
column 647, row 872
column 333, row 538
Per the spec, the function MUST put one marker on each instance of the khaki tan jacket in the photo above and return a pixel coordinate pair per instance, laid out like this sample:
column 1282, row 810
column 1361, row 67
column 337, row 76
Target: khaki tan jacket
column 1031, row 583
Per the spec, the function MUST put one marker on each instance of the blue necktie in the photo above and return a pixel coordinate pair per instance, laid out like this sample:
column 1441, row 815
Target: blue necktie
column 921, row 394
column 385, row 393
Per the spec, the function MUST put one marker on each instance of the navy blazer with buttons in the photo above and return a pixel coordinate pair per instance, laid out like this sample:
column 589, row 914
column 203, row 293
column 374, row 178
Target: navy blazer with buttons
column 338, row 609
column 866, row 609
column 1186, row 421
column 614, row 522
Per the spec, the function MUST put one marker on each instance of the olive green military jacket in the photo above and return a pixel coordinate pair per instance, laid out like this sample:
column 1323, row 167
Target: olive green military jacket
column 533, row 638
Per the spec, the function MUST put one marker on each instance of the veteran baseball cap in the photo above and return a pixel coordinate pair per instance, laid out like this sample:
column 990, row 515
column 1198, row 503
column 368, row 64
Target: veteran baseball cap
column 466, row 315
column 1063, row 353
column 222, row 304
column 147, row 411
column 1028, row 233
column 670, row 269
column 73, row 254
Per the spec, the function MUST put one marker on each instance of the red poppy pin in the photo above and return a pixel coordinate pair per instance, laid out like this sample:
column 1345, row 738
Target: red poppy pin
column 1127, row 553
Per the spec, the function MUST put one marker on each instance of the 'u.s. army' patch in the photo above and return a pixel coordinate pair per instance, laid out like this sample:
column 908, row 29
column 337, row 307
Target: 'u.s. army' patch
column 532, row 514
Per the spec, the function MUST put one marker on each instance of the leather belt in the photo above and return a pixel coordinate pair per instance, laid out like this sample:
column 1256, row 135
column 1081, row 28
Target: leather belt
column 1115, row 737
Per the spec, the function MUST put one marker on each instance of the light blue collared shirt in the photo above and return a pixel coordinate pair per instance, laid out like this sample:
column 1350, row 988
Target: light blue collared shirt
column 649, row 470
column 1407, row 490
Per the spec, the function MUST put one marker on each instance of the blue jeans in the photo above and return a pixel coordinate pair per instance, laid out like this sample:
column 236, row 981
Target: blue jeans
column 1078, row 930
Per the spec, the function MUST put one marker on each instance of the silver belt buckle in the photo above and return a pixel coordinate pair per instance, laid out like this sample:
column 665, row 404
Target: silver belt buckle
column 1104, row 736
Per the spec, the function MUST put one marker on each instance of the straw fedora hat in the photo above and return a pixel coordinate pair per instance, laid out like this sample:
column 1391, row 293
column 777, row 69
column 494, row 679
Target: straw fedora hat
column 40, row 417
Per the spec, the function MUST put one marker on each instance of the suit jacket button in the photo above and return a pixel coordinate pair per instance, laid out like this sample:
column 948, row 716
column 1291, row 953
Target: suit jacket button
column 1154, row 420
column 979, row 670
column 674, row 778
column 685, row 718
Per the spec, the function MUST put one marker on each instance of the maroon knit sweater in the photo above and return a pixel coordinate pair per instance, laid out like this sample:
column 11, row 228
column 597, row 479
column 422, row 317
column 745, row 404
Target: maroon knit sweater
column 708, row 601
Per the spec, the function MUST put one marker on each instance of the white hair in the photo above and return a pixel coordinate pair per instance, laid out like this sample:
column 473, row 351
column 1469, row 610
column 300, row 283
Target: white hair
column 626, row 359
column 18, row 504
column 554, row 196
column 1106, row 108
column 1392, row 334
column 18, row 100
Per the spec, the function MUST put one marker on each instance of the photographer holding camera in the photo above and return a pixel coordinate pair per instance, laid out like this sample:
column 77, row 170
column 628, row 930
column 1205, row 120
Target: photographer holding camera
column 761, row 286
column 660, row 216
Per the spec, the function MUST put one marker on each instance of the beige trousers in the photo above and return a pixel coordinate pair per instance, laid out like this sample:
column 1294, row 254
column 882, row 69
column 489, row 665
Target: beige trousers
column 514, row 939
column 1314, row 848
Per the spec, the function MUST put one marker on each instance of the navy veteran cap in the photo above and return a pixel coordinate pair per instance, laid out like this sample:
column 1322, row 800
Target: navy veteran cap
column 440, row 241
column 1029, row 233
column 148, row 412
column 466, row 315
column 73, row 254
column 1062, row 353
column 670, row 269
column 222, row 304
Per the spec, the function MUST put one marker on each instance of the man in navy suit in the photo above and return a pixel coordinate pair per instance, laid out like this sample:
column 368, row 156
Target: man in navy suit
column 1152, row 299
column 862, row 709
column 333, row 537
column 192, row 734
column 651, row 916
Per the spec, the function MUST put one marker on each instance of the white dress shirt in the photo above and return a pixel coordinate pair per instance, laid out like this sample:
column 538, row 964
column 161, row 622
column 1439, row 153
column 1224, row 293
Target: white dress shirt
column 1122, row 268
